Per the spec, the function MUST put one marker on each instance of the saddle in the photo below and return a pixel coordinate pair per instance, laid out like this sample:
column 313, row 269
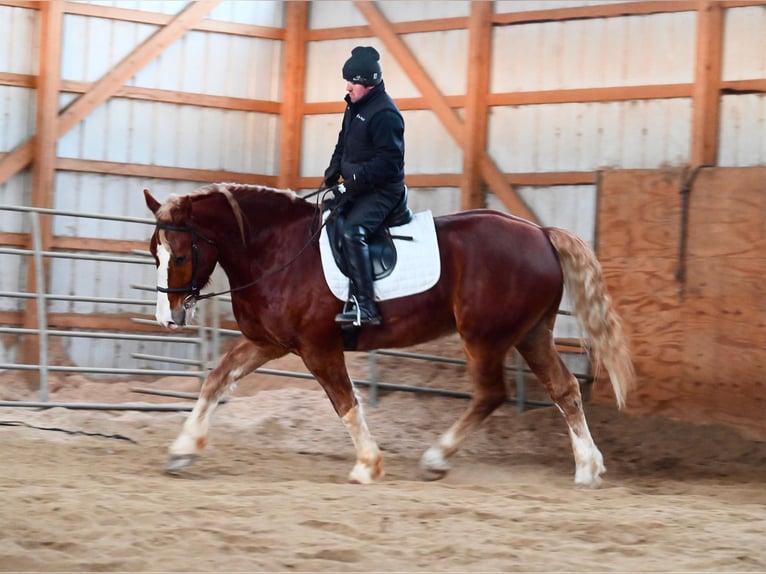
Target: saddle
column 381, row 243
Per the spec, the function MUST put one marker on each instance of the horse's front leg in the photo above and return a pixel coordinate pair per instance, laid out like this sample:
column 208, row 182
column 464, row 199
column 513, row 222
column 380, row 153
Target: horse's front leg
column 329, row 368
column 243, row 359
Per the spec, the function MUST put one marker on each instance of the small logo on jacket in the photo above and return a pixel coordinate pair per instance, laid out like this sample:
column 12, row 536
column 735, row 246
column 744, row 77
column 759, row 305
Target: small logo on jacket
column 361, row 118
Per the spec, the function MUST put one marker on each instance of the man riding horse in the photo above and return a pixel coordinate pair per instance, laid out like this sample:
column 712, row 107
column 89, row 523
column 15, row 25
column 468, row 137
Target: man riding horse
column 369, row 156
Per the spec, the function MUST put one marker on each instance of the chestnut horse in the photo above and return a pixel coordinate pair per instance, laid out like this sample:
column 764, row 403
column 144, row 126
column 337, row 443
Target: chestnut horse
column 502, row 279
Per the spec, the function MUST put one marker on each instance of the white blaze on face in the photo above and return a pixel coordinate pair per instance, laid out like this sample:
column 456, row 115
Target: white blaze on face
column 162, row 312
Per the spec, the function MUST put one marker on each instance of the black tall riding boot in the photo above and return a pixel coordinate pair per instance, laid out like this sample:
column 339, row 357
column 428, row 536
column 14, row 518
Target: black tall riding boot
column 359, row 267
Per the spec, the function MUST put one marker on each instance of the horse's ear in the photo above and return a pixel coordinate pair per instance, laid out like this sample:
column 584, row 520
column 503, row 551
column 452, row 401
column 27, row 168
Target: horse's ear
column 151, row 203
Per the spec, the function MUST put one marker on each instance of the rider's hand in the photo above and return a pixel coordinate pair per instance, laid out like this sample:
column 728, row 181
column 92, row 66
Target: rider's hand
column 331, row 177
column 352, row 185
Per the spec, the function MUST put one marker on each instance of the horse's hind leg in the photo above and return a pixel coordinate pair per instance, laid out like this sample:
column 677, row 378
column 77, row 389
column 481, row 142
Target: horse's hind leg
column 241, row 360
column 485, row 366
column 538, row 349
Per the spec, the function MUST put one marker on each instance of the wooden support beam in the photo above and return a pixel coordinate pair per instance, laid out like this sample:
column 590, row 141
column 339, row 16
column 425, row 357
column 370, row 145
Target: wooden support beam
column 472, row 195
column 707, row 84
column 160, row 171
column 449, row 117
column 293, row 90
column 44, row 167
column 46, row 118
column 105, row 87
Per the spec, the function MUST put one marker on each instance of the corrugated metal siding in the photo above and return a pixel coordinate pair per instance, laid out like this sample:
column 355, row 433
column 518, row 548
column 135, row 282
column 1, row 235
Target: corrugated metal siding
column 742, row 137
column 502, row 6
column 603, row 52
column 590, row 136
column 18, row 55
column 744, row 53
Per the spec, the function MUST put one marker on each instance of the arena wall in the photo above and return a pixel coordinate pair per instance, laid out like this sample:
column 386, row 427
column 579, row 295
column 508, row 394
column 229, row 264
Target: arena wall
column 683, row 255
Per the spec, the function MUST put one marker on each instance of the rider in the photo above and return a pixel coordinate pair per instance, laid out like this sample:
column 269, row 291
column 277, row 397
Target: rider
column 369, row 155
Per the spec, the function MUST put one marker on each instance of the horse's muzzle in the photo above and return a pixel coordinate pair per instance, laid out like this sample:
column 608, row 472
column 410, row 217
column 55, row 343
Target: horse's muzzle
column 179, row 317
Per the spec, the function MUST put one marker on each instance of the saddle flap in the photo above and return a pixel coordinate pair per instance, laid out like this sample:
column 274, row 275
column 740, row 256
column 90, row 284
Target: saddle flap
column 418, row 264
column 381, row 245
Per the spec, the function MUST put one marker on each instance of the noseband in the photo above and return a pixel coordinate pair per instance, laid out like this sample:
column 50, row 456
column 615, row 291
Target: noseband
column 193, row 290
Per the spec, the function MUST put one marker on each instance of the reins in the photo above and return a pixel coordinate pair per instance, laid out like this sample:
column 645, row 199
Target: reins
column 193, row 291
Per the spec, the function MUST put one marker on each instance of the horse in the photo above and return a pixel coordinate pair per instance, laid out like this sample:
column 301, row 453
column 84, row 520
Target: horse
column 501, row 283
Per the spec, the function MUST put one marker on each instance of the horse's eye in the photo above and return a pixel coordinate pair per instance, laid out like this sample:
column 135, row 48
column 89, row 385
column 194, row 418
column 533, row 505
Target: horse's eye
column 180, row 260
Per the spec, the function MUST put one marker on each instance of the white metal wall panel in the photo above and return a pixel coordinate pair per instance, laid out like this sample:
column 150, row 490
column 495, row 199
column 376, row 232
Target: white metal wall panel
column 320, row 133
column 253, row 12
column 408, row 11
column 443, row 58
column 324, row 65
column 742, row 136
column 174, row 135
column 17, row 110
column 216, row 64
column 502, row 6
column 17, row 117
column 92, row 46
column 634, row 50
column 744, row 53
column 334, row 13
column 429, row 146
column 158, row 6
column 590, row 136
column 18, row 40
column 440, row 200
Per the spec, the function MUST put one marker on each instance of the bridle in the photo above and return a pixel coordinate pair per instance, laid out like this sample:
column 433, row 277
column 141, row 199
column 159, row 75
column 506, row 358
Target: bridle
column 193, row 293
column 193, row 290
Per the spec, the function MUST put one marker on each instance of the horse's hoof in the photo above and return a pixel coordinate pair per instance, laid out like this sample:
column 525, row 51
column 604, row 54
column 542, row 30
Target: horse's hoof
column 178, row 462
column 432, row 474
column 433, row 464
column 363, row 474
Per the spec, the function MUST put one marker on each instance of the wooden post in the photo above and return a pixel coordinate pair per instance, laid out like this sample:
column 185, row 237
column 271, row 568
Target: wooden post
column 472, row 194
column 706, row 100
column 293, row 94
column 43, row 169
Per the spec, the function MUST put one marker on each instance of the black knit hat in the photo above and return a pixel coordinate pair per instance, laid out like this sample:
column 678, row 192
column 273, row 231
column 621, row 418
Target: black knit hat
column 363, row 67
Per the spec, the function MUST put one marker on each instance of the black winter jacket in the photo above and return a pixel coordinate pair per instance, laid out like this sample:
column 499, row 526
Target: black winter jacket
column 371, row 144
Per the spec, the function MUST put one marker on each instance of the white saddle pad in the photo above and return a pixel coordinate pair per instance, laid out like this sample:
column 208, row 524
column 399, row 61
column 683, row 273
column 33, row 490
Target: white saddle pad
column 417, row 261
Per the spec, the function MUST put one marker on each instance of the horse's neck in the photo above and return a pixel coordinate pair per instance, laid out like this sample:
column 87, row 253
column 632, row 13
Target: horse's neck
column 272, row 241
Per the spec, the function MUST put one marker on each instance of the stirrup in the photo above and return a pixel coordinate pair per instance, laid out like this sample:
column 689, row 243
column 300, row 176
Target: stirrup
column 355, row 309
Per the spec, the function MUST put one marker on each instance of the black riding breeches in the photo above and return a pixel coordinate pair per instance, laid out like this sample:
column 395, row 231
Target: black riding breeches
column 370, row 210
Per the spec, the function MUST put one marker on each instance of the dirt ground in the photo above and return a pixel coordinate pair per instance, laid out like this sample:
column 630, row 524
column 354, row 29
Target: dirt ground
column 270, row 492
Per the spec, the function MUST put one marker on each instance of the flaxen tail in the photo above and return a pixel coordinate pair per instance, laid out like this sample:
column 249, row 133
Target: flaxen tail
column 593, row 308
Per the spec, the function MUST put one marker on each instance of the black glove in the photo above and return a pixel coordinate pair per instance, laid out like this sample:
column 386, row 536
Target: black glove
column 331, row 176
column 352, row 185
